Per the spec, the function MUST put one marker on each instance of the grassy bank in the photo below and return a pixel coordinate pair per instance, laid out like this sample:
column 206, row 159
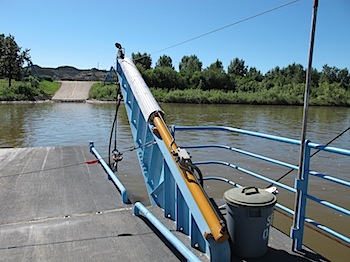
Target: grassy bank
column 290, row 94
column 31, row 90
column 198, row 96
column 50, row 88
column 324, row 95
column 107, row 92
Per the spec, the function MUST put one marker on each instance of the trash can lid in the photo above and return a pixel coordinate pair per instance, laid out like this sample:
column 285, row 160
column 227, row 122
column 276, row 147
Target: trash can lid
column 249, row 196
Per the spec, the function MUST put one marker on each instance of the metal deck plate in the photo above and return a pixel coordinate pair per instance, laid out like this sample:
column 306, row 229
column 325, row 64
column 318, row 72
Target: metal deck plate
column 69, row 212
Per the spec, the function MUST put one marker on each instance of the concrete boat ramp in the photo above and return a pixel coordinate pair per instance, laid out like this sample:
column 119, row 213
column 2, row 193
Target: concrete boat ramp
column 73, row 91
column 55, row 207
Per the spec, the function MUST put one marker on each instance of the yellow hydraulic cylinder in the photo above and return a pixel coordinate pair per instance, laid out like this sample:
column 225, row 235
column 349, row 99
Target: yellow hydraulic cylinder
column 218, row 231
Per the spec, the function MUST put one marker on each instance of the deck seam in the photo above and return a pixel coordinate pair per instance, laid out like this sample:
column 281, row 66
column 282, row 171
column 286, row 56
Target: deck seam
column 67, row 216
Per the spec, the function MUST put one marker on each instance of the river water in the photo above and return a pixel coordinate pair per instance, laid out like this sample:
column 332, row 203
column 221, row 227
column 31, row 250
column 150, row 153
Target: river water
column 51, row 124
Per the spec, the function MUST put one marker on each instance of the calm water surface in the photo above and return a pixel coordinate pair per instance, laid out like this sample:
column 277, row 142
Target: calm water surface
column 51, row 124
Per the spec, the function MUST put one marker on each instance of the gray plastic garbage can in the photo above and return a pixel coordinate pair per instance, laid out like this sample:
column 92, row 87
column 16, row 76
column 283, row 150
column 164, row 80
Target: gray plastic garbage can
column 249, row 215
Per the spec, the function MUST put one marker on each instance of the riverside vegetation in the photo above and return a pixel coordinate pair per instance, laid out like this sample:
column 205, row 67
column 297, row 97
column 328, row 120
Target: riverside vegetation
column 240, row 84
column 212, row 85
column 190, row 84
column 30, row 90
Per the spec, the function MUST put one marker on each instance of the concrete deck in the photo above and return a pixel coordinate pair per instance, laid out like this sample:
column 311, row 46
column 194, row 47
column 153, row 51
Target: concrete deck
column 54, row 207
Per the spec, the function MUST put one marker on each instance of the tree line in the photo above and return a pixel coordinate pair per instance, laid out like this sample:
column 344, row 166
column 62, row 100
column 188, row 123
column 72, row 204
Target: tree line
column 279, row 85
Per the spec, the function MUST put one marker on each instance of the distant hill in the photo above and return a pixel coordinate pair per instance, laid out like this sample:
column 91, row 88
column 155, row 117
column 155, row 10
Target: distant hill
column 71, row 73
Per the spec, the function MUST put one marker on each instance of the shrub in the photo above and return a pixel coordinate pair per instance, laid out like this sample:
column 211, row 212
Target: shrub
column 47, row 78
column 106, row 92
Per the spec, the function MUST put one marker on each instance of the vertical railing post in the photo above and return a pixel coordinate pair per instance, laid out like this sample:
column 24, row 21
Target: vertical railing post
column 301, row 185
column 301, row 182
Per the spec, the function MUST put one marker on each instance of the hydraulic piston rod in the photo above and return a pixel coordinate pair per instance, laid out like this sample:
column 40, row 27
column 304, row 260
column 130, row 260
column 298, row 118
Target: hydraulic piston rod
column 218, row 231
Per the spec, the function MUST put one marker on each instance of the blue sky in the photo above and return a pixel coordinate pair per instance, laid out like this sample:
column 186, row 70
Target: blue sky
column 83, row 33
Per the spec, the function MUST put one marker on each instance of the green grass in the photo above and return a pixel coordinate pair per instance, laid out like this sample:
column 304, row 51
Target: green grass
column 107, row 92
column 338, row 97
column 31, row 90
column 49, row 88
column 5, row 82
column 198, row 96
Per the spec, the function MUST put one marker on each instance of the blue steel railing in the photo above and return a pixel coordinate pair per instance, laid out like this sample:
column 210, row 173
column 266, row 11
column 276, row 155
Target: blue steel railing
column 140, row 208
column 111, row 174
column 297, row 230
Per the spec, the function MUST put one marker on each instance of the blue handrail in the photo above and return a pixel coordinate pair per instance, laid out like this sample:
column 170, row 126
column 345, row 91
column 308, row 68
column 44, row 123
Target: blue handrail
column 111, row 174
column 298, row 228
column 139, row 207
column 267, row 159
column 247, row 172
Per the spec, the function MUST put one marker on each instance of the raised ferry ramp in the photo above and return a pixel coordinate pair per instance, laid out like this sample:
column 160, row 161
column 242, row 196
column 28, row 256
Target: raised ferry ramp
column 73, row 91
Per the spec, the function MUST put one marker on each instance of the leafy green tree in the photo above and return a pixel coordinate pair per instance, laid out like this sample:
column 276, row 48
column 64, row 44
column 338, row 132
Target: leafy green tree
column 217, row 65
column 215, row 77
column 273, row 73
column 237, row 67
column 255, row 74
column 335, row 75
column 190, row 64
column 142, row 61
column 164, row 61
column 329, row 74
column 11, row 58
column 294, row 73
column 197, row 80
column 315, row 78
column 148, row 77
column 167, row 78
column 344, row 78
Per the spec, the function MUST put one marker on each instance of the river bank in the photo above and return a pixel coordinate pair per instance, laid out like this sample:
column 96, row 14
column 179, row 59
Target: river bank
column 324, row 95
column 31, row 90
